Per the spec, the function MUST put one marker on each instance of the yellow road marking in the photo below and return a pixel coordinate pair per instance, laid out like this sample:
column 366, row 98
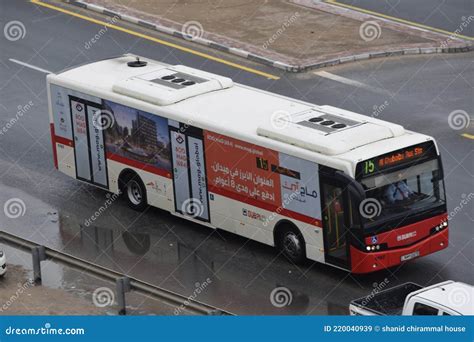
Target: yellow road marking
column 469, row 136
column 156, row 40
column 363, row 10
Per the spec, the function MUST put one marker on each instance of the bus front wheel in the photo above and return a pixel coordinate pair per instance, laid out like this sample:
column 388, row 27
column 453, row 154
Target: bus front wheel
column 291, row 243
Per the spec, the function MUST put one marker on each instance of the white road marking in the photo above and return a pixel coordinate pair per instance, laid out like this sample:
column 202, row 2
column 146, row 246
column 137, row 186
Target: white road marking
column 350, row 82
column 30, row 66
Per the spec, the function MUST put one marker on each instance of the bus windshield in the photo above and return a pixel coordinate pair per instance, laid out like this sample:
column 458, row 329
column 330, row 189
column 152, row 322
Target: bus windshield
column 403, row 192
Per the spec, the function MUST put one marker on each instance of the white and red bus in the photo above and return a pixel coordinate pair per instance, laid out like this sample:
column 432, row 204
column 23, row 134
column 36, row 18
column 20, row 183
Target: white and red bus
column 317, row 182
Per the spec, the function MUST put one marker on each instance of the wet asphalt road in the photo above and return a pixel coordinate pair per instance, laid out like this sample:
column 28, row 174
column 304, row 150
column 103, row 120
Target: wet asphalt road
column 446, row 15
column 418, row 92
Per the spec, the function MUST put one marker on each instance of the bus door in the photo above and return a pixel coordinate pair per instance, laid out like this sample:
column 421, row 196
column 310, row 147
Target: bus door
column 189, row 171
column 89, row 142
column 335, row 222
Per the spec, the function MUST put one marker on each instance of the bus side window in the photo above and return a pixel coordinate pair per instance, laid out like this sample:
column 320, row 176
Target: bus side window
column 421, row 309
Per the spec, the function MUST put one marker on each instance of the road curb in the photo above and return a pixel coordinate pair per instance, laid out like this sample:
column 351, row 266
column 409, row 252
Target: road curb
column 267, row 61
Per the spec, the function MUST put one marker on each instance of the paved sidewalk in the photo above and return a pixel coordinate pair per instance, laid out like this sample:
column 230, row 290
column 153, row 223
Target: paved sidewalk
column 297, row 34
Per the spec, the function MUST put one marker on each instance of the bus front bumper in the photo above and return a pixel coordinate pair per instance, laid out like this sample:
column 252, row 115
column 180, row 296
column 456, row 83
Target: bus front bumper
column 363, row 262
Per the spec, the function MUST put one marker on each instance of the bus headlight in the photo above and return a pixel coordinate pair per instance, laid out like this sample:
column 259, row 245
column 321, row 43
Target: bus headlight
column 439, row 227
column 373, row 248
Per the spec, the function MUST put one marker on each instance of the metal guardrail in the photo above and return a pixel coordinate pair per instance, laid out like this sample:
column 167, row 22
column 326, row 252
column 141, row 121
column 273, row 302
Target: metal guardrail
column 122, row 281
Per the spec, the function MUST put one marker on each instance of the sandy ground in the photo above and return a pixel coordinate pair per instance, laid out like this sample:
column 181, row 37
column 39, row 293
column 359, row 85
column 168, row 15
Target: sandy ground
column 18, row 296
column 64, row 291
column 266, row 27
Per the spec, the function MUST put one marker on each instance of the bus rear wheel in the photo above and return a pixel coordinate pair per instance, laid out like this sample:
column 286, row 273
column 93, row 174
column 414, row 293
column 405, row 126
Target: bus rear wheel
column 291, row 243
column 134, row 191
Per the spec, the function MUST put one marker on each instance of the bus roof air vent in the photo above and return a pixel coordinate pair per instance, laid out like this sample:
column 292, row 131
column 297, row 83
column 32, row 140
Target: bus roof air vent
column 168, row 85
column 328, row 130
column 328, row 123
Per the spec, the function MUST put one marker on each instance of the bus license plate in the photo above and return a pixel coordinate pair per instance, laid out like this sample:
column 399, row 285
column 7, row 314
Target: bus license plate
column 410, row 256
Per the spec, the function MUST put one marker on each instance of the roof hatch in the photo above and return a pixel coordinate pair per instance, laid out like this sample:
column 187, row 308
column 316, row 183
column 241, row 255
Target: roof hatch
column 328, row 130
column 168, row 85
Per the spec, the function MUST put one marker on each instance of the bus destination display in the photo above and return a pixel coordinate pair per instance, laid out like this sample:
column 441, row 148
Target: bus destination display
column 398, row 157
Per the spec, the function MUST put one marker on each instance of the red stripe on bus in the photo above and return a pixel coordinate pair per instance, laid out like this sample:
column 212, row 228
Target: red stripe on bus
column 139, row 165
column 53, row 142
column 64, row 141
column 266, row 206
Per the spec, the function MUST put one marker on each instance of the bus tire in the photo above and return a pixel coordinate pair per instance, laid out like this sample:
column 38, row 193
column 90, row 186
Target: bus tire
column 134, row 191
column 291, row 243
